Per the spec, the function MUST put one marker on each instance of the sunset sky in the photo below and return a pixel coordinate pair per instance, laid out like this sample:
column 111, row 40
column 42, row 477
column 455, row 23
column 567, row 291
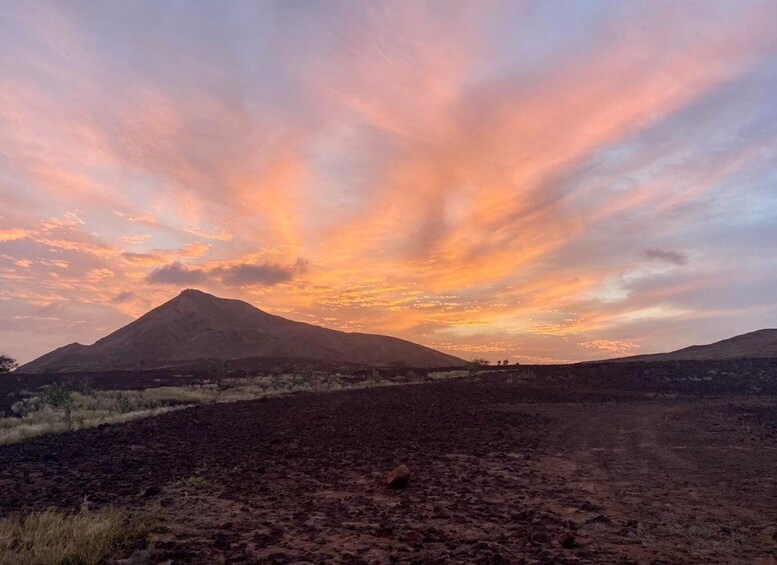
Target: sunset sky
column 537, row 181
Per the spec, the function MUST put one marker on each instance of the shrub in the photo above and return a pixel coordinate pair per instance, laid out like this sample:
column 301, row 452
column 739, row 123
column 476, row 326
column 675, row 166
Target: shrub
column 59, row 397
column 82, row 384
column 307, row 372
column 299, row 381
column 123, row 404
column 7, row 364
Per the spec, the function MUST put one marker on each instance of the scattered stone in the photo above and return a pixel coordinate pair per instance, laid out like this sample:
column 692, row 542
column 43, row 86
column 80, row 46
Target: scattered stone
column 567, row 540
column 588, row 506
column 601, row 520
column 221, row 541
column 152, row 491
column 399, row 477
column 413, row 538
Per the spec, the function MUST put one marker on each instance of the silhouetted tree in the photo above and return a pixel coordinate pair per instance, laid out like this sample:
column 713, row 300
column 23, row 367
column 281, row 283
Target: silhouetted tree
column 498, row 363
column 505, row 362
column 7, row 364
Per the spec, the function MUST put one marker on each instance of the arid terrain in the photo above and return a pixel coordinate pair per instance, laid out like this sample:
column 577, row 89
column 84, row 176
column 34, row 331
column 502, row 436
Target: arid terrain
column 644, row 463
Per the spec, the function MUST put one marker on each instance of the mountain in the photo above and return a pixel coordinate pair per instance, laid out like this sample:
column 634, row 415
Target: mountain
column 753, row 345
column 197, row 326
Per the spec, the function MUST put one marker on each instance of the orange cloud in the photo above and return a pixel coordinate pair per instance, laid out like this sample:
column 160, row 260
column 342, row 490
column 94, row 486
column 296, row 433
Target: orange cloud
column 450, row 182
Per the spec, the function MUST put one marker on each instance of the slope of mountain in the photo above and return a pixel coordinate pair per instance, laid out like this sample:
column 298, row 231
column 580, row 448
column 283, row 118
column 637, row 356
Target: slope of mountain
column 753, row 345
column 196, row 326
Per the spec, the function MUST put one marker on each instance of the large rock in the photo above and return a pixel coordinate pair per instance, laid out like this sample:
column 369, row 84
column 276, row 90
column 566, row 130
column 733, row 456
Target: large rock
column 398, row 478
column 567, row 540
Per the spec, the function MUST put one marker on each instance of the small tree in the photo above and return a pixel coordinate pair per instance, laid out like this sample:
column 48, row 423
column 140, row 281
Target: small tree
column 476, row 364
column 7, row 364
column 505, row 362
column 58, row 397
column 499, row 363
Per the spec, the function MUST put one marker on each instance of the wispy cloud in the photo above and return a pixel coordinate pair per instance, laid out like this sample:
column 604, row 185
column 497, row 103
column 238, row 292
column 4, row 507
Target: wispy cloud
column 264, row 274
column 235, row 275
column 176, row 274
column 525, row 195
column 674, row 257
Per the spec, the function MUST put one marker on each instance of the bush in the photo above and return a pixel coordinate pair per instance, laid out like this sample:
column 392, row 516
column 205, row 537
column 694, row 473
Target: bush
column 299, row 381
column 82, row 384
column 59, row 397
column 123, row 404
column 7, row 364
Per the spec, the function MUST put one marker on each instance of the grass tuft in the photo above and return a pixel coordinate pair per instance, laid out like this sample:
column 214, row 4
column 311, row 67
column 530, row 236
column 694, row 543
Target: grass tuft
column 56, row 537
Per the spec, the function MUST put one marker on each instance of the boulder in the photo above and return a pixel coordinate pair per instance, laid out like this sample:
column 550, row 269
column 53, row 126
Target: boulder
column 399, row 477
column 567, row 540
column 412, row 538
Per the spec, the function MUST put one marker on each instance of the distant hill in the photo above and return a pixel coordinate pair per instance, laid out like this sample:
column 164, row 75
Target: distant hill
column 753, row 345
column 197, row 326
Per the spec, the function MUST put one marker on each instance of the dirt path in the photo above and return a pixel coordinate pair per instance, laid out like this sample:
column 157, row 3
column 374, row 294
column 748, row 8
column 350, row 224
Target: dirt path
column 677, row 481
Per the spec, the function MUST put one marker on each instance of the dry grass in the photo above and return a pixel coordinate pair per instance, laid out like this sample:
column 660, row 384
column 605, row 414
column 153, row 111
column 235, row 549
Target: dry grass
column 58, row 538
column 36, row 416
column 47, row 421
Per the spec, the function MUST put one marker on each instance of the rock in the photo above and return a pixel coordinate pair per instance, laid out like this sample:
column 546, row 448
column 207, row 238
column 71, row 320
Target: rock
column 221, row 541
column 567, row 540
column 601, row 519
column 399, row 477
column 412, row 537
column 588, row 506
column 152, row 491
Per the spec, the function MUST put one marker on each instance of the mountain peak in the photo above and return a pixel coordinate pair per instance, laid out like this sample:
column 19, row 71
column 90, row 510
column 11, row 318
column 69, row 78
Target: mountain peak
column 196, row 326
column 194, row 293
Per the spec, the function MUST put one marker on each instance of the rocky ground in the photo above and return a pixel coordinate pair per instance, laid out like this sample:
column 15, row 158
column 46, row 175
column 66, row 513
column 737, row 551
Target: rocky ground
column 507, row 467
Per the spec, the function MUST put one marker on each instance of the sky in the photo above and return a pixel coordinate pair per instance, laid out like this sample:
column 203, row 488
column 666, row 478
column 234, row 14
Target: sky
column 540, row 182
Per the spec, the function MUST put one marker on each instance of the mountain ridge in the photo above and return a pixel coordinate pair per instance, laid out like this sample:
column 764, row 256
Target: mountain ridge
column 752, row 345
column 195, row 325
